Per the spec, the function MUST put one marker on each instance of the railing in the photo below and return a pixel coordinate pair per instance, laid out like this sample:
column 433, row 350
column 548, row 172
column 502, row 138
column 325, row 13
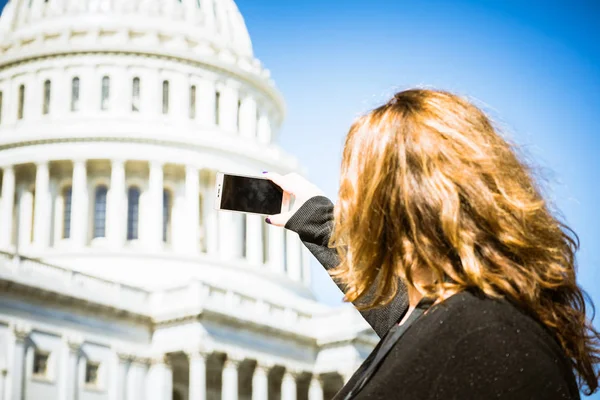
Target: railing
column 173, row 302
column 162, row 305
column 36, row 273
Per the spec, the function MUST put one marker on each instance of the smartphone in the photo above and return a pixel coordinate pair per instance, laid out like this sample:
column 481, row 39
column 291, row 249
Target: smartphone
column 250, row 194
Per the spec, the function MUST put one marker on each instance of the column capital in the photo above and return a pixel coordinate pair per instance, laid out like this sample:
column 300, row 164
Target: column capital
column 79, row 161
column 192, row 168
column 140, row 360
column 292, row 372
column 42, row 164
column 198, row 352
column 233, row 359
column 154, row 164
column 160, row 359
column 264, row 366
column 21, row 330
column 73, row 341
column 316, row 379
column 117, row 161
column 124, row 357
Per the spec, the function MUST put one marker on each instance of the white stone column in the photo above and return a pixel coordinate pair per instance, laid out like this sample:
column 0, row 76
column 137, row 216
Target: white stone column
column 26, row 206
column 288, row 386
column 160, row 379
column 197, row 379
column 120, row 92
column 136, row 387
column 276, row 244
column 227, row 234
column 293, row 255
column 3, row 373
column 71, row 374
column 117, row 205
column 205, row 102
column 228, row 108
column 122, row 371
column 190, row 10
column 306, row 258
column 264, row 128
column 6, row 207
column 179, row 102
column 254, row 239
column 211, row 219
column 229, row 387
column 315, row 390
column 79, row 204
column 209, row 13
column 155, row 211
column 248, row 120
column 41, row 229
column 192, row 215
column 260, row 382
column 21, row 333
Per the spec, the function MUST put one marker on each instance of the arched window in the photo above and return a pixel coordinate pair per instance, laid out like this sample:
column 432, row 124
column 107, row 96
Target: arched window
column 104, row 103
column 47, row 88
column 166, row 215
column 133, row 212
column 165, row 97
column 21, row 102
column 75, row 94
column 135, row 95
column 217, row 106
column 100, row 211
column 67, row 195
column 193, row 101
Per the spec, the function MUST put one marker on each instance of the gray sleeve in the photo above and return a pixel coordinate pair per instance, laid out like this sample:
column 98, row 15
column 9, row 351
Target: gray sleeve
column 313, row 222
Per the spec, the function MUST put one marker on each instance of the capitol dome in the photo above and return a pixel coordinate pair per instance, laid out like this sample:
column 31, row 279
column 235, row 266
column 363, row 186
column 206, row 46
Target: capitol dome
column 203, row 26
column 118, row 276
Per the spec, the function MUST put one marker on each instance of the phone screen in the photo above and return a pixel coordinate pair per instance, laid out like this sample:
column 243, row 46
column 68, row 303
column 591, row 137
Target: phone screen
column 260, row 196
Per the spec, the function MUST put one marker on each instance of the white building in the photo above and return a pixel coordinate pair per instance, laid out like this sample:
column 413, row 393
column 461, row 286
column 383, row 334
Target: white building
column 118, row 280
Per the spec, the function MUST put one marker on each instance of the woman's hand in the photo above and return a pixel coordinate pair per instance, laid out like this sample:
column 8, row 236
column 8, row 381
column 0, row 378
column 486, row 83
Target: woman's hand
column 295, row 185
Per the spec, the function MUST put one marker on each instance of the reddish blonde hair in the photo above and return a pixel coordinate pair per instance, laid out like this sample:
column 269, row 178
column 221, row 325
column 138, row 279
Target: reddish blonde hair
column 427, row 184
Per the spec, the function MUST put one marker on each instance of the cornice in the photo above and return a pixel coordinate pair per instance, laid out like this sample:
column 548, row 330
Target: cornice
column 261, row 82
column 241, row 153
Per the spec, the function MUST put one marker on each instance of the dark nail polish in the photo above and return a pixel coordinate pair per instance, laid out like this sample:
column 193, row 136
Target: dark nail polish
column 264, row 172
column 268, row 220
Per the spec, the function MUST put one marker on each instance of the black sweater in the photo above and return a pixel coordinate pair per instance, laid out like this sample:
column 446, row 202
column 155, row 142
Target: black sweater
column 467, row 347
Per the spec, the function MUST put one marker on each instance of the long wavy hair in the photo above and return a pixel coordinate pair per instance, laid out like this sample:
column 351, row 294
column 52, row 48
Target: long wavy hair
column 427, row 184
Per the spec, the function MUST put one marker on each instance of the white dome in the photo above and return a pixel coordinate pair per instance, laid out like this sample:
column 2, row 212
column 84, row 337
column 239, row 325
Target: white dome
column 215, row 22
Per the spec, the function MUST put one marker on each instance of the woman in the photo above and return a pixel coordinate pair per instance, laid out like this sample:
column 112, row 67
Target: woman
column 442, row 240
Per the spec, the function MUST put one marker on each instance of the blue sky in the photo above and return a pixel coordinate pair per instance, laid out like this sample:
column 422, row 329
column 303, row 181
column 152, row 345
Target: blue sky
column 534, row 65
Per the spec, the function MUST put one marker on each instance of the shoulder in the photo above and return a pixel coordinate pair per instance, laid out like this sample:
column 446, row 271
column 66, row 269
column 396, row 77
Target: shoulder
column 490, row 347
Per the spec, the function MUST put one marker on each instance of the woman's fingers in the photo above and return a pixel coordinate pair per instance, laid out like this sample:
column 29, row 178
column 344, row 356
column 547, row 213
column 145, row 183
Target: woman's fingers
column 280, row 219
column 297, row 186
column 280, row 180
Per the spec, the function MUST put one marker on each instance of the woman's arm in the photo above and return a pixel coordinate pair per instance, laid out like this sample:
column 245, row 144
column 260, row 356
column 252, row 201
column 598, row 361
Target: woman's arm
column 313, row 222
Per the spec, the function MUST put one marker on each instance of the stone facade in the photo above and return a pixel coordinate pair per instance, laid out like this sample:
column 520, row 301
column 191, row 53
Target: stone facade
column 118, row 279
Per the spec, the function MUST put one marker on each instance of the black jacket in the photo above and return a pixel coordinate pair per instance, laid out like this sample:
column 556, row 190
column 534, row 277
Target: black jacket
column 467, row 347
